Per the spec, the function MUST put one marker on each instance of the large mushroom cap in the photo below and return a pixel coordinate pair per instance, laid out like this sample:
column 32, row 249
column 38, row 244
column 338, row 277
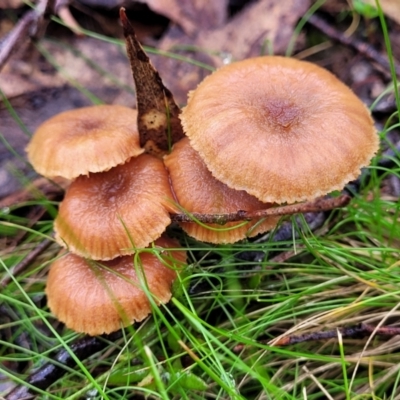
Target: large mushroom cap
column 283, row 130
column 111, row 213
column 100, row 297
column 89, row 139
column 198, row 191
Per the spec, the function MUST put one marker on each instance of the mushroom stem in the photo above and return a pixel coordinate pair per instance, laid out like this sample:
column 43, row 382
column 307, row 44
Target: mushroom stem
column 321, row 204
column 158, row 122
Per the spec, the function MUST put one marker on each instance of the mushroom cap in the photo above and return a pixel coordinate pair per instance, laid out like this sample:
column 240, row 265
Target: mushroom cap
column 101, row 297
column 198, row 191
column 89, row 139
column 283, row 130
column 109, row 214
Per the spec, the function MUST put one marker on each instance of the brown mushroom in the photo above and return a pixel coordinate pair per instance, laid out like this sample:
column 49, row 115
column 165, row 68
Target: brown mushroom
column 112, row 213
column 196, row 190
column 281, row 129
column 101, row 297
column 89, row 139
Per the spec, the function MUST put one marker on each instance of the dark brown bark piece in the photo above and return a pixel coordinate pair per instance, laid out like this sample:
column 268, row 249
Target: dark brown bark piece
column 158, row 115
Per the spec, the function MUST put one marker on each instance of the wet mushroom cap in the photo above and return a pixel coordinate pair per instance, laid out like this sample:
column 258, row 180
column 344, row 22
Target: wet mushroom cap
column 89, row 139
column 101, row 297
column 111, row 213
column 283, row 130
column 196, row 190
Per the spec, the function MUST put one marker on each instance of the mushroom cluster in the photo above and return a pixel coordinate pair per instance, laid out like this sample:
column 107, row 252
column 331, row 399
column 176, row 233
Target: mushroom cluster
column 259, row 132
column 119, row 201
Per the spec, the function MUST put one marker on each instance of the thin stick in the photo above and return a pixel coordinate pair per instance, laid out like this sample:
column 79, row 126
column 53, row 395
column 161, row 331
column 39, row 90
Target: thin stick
column 30, row 27
column 352, row 332
column 362, row 47
column 322, row 204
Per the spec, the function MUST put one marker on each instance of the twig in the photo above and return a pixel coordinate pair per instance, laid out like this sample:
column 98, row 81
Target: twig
column 352, row 332
column 30, row 26
column 322, row 204
column 362, row 47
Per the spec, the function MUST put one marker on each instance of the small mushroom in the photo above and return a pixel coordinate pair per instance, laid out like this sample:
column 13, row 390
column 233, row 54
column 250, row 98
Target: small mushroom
column 112, row 213
column 101, row 297
column 89, row 139
column 198, row 191
column 281, row 129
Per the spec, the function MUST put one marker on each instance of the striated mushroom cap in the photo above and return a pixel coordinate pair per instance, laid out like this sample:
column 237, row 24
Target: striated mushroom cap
column 281, row 129
column 101, row 297
column 198, row 191
column 111, row 213
column 89, row 139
